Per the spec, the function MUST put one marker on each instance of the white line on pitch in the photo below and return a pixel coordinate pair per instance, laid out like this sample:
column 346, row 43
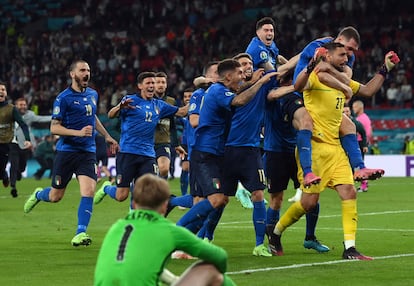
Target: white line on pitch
column 247, row 271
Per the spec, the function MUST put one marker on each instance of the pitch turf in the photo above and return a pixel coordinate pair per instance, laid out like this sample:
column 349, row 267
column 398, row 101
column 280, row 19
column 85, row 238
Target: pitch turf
column 36, row 249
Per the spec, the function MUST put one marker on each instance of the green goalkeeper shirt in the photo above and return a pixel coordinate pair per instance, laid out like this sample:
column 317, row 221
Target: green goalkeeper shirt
column 136, row 249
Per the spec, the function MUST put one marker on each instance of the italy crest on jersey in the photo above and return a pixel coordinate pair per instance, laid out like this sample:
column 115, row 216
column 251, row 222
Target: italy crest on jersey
column 192, row 107
column 56, row 110
column 93, row 101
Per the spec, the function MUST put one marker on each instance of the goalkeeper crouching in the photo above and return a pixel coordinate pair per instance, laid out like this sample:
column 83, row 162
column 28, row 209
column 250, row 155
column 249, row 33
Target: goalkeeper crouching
column 136, row 249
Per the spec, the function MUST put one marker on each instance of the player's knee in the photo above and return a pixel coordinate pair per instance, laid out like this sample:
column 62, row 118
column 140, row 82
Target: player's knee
column 212, row 276
column 257, row 196
column 302, row 120
column 122, row 194
column 218, row 200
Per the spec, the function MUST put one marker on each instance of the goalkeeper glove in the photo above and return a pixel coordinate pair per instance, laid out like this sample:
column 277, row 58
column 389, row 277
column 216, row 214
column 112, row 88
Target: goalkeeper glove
column 319, row 55
column 390, row 60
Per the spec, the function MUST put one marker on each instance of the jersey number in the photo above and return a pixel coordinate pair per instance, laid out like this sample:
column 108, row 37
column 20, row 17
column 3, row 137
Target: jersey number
column 339, row 102
column 124, row 241
column 148, row 116
column 89, row 110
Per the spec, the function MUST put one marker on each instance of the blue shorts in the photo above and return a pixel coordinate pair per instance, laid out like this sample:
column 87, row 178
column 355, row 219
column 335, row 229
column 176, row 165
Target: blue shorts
column 163, row 150
column 291, row 102
column 68, row 163
column 102, row 156
column 130, row 167
column 207, row 170
column 243, row 164
column 280, row 168
column 195, row 189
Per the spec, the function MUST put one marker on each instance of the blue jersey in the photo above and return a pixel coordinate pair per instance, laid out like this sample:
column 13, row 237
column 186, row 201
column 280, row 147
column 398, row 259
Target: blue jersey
column 195, row 103
column 76, row 110
column 261, row 53
column 247, row 120
column 215, row 119
column 308, row 52
column 279, row 134
column 138, row 124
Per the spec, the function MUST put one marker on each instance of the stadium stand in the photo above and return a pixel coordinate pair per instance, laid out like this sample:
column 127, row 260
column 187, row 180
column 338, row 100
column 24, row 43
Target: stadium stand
column 39, row 38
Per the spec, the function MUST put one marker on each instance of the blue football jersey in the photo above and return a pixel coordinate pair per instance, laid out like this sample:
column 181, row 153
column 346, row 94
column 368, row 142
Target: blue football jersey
column 261, row 53
column 247, row 120
column 76, row 110
column 194, row 108
column 308, row 52
column 138, row 124
column 279, row 134
column 214, row 121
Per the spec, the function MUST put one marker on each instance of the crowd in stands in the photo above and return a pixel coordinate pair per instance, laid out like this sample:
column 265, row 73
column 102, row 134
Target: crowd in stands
column 121, row 38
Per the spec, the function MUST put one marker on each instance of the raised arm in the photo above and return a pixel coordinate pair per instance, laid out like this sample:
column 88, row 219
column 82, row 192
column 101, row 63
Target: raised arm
column 245, row 96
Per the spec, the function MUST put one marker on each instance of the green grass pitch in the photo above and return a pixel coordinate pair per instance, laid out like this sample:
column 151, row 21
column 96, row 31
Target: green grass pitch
column 36, row 249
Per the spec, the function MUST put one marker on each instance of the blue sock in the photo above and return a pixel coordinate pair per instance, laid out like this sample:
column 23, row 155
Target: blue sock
column 183, row 201
column 212, row 222
column 311, row 221
column 110, row 191
column 272, row 216
column 303, row 141
column 84, row 213
column 350, row 144
column 184, row 182
column 202, row 232
column 198, row 212
column 195, row 226
column 259, row 221
column 43, row 195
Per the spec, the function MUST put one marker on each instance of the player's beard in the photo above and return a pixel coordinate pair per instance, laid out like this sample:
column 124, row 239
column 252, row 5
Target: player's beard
column 82, row 82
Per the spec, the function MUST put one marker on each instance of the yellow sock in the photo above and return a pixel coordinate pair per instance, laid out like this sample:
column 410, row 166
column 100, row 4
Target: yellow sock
column 292, row 215
column 349, row 219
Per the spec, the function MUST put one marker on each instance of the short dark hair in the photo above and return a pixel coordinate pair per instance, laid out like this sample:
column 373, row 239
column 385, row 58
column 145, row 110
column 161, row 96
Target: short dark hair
column 161, row 74
column 209, row 65
column 350, row 32
column 20, row 99
column 265, row 21
column 242, row 55
column 227, row 65
column 331, row 46
column 144, row 75
column 74, row 63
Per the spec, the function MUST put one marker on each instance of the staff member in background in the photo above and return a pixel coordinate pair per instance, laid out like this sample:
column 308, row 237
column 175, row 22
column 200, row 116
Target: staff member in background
column 8, row 116
column 19, row 154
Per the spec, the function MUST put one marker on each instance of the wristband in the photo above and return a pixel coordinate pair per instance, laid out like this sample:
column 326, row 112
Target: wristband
column 383, row 71
column 310, row 66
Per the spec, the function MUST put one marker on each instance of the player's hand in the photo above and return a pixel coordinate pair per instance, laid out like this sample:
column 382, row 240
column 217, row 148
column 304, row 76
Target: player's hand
column 113, row 145
column 86, row 131
column 125, row 103
column 180, row 151
column 27, row 145
column 265, row 78
column 323, row 67
column 365, row 150
column 390, row 60
column 257, row 75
